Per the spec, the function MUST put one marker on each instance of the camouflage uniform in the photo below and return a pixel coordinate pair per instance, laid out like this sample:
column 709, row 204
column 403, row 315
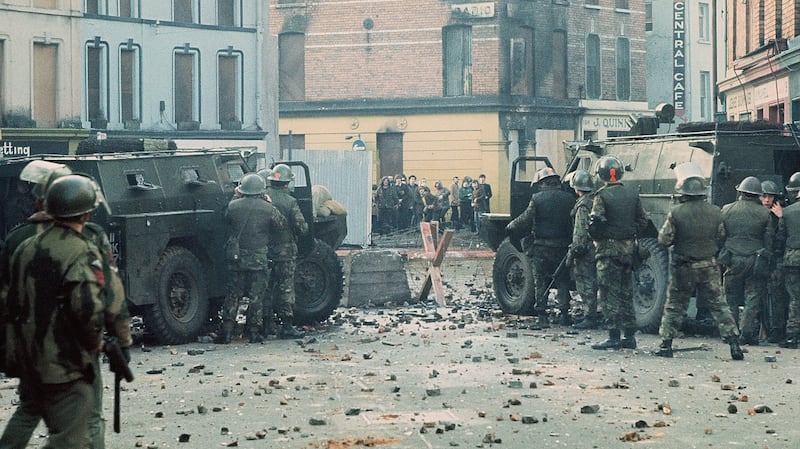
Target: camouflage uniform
column 283, row 253
column 54, row 309
column 777, row 303
column 693, row 229
column 789, row 235
column 547, row 221
column 582, row 256
column 256, row 221
column 622, row 209
column 748, row 243
column 25, row 419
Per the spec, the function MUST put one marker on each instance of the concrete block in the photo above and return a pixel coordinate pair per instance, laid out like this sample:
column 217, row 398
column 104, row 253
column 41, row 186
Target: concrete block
column 375, row 277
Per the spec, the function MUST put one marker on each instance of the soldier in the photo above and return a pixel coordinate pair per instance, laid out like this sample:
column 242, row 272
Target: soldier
column 692, row 229
column 793, row 186
column 789, row 238
column 255, row 223
column 776, row 306
column 581, row 251
column 116, row 317
column 54, row 312
column 283, row 252
column 615, row 220
column 547, row 221
column 745, row 255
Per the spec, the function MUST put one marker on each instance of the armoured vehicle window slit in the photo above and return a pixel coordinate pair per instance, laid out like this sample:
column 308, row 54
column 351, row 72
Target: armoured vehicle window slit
column 136, row 181
column 191, row 176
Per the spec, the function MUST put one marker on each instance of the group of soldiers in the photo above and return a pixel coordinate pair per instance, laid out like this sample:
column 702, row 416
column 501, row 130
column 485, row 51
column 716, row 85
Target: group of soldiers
column 401, row 203
column 61, row 293
column 265, row 223
column 730, row 258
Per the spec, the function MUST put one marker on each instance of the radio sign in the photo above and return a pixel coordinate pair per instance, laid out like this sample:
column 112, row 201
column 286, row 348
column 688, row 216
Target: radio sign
column 475, row 10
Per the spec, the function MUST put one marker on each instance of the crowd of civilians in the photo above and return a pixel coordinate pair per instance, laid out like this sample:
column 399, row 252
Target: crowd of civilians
column 401, row 203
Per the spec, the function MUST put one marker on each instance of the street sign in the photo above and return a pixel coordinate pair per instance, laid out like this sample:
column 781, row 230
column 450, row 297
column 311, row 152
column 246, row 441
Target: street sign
column 359, row 145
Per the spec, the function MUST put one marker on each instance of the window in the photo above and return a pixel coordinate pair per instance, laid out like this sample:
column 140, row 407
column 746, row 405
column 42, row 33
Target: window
column 559, row 67
column 521, row 60
column 623, row 69
column 183, row 11
column 129, row 8
column 229, row 88
column 776, row 113
column 95, row 6
column 226, row 12
column 187, row 82
column 705, row 95
column 593, row 66
column 96, row 81
column 291, row 67
column 457, row 63
column 45, row 58
column 621, row 4
column 703, row 27
column 129, row 83
column 648, row 16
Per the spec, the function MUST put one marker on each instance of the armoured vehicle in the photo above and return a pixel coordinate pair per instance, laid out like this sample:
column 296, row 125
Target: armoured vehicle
column 726, row 152
column 165, row 221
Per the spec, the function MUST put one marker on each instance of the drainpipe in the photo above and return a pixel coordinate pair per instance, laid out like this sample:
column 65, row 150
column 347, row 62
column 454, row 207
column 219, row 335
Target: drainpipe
column 714, row 58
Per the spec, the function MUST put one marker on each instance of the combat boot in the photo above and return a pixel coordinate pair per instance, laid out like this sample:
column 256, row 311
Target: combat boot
column 287, row 331
column 789, row 343
column 590, row 322
column 629, row 342
column 224, row 336
column 255, row 337
column 613, row 341
column 665, row 350
column 736, row 350
column 564, row 319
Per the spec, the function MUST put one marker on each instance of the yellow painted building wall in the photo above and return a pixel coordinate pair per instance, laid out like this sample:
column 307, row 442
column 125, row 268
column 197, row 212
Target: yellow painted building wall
column 435, row 146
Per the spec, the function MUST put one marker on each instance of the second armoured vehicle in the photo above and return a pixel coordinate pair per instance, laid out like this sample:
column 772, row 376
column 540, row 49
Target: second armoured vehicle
column 726, row 152
column 165, row 221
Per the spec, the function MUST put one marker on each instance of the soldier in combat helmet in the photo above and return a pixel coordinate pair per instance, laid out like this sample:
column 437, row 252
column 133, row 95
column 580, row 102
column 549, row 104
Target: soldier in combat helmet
column 283, row 253
column 581, row 251
column 256, row 224
column 547, row 221
column 692, row 229
column 617, row 217
column 789, row 239
column 745, row 254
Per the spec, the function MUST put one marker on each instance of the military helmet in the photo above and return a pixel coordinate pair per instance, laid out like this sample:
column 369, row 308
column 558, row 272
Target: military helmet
column 265, row 173
column 751, row 185
column 609, row 169
column 545, row 173
column 252, row 184
column 691, row 186
column 282, row 173
column 794, row 183
column 70, row 196
column 582, row 180
column 770, row 188
column 41, row 173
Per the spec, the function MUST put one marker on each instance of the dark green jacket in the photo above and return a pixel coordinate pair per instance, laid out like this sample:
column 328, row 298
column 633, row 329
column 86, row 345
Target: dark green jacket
column 747, row 227
column 257, row 224
column 694, row 229
column 286, row 248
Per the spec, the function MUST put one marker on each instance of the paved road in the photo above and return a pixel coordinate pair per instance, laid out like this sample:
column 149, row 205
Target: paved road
column 417, row 376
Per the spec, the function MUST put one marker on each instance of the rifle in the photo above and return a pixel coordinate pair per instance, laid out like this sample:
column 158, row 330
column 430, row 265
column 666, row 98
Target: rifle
column 556, row 274
column 119, row 366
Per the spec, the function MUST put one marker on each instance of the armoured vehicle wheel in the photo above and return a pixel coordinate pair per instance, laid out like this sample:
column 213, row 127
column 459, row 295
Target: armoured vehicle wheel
column 650, row 287
column 318, row 284
column 181, row 306
column 513, row 280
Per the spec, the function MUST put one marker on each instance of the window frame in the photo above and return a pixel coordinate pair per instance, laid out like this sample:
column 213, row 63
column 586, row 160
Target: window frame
column 195, row 83
column 236, row 14
column 103, row 81
column 623, row 91
column 291, row 86
column 194, row 4
column 599, row 69
column 705, row 95
column 238, row 97
column 704, row 25
column 457, row 66
column 136, row 82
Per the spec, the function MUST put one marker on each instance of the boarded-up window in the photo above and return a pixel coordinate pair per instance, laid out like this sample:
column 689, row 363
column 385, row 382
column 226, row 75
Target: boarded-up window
column 49, row 4
column 390, row 153
column 45, row 73
column 129, row 84
column 559, row 66
column 226, row 11
column 457, row 60
column 521, row 60
column 593, row 66
column 623, row 69
column 184, row 87
column 228, row 88
column 96, row 82
column 182, row 10
column 292, row 67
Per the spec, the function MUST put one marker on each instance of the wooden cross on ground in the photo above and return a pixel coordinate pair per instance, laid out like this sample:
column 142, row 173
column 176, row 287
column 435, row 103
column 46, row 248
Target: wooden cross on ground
column 435, row 250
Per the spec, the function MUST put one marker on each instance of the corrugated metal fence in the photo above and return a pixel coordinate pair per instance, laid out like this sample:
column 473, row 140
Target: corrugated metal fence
column 348, row 176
